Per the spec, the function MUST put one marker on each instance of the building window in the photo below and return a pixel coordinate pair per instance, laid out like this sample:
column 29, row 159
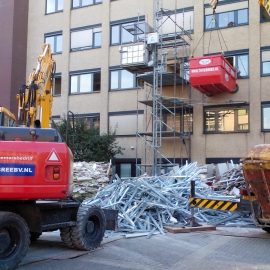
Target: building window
column 126, row 123
column 126, row 168
column 181, row 122
column 86, row 38
column 227, row 19
column 266, row 116
column 122, row 79
column 176, row 22
column 84, row 3
column 57, row 85
column 127, row 32
column 86, row 82
column 265, row 62
column 53, row 6
column 226, row 119
column 56, row 41
column 240, row 60
column 91, row 120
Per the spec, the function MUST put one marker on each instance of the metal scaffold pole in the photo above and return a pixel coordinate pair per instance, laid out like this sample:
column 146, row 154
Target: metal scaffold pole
column 156, row 94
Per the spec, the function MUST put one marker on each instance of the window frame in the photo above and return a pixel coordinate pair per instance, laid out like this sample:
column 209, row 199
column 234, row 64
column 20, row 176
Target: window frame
column 54, row 35
column 83, row 6
column 177, row 12
column 264, row 104
column 263, row 49
column 87, row 116
column 236, row 24
column 56, row 7
column 236, row 54
column 120, row 23
column 116, row 162
column 216, row 108
column 183, row 122
column 89, row 27
column 119, row 70
column 84, row 72
column 125, row 113
column 56, row 75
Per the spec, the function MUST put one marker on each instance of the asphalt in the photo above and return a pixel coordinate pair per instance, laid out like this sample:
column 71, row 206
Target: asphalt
column 226, row 248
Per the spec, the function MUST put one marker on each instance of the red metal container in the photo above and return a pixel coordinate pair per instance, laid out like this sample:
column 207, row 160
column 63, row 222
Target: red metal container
column 31, row 170
column 212, row 75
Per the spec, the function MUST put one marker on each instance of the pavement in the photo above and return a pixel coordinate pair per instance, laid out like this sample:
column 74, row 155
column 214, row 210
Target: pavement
column 226, row 248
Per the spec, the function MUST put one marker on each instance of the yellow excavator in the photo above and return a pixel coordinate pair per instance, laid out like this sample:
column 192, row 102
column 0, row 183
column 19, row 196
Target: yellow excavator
column 35, row 98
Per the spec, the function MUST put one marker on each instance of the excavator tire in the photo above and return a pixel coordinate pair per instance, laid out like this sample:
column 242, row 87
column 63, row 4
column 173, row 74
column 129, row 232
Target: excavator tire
column 89, row 230
column 14, row 240
column 66, row 236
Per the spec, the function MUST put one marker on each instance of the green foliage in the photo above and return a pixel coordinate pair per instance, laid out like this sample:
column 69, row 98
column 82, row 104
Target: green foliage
column 86, row 143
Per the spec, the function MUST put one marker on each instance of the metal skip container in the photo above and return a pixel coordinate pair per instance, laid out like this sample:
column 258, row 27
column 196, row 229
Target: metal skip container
column 256, row 169
column 212, row 75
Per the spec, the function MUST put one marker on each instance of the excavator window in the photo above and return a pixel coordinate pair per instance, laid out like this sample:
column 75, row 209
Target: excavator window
column 24, row 134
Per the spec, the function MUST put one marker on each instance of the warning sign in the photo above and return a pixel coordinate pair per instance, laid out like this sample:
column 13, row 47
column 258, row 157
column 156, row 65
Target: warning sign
column 53, row 156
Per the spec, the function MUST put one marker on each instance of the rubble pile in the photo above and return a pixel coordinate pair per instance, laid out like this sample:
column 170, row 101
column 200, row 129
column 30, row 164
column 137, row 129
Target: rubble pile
column 231, row 181
column 89, row 177
column 146, row 204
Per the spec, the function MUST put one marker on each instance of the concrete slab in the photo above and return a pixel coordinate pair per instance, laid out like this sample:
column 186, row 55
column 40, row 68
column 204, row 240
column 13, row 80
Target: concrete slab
column 177, row 229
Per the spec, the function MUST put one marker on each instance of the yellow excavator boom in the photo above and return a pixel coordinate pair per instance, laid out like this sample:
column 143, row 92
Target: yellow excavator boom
column 35, row 98
column 266, row 5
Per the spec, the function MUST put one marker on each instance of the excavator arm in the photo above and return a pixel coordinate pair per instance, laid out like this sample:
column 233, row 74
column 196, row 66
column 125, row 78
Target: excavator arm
column 35, row 98
column 266, row 5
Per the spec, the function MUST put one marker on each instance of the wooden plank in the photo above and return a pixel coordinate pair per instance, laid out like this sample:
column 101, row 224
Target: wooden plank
column 176, row 229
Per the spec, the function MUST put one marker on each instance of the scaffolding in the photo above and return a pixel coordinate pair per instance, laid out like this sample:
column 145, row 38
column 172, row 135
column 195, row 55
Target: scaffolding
column 160, row 60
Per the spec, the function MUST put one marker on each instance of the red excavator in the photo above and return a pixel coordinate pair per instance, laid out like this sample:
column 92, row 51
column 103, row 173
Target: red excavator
column 36, row 178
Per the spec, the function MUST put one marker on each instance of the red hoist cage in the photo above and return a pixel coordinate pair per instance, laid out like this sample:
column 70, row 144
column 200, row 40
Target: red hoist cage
column 212, row 75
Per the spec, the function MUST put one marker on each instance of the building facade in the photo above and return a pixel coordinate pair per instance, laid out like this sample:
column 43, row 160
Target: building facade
column 13, row 21
column 91, row 41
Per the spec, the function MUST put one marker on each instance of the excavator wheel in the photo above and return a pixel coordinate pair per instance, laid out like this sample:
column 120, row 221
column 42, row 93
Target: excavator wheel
column 14, row 240
column 89, row 230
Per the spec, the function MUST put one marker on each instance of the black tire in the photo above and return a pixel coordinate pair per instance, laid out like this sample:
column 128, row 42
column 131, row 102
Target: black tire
column 15, row 237
column 66, row 237
column 89, row 230
column 34, row 236
column 267, row 229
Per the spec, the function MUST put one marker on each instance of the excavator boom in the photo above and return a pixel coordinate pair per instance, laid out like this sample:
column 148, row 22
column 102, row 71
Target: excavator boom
column 35, row 98
column 266, row 5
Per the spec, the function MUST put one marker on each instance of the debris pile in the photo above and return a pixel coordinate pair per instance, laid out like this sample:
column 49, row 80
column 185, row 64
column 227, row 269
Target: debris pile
column 230, row 181
column 89, row 177
column 146, row 204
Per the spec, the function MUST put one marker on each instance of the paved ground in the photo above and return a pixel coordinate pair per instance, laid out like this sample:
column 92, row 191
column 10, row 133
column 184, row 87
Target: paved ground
column 226, row 248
